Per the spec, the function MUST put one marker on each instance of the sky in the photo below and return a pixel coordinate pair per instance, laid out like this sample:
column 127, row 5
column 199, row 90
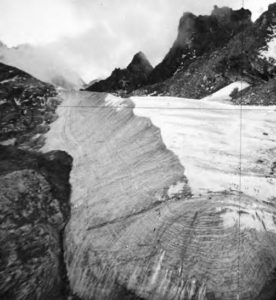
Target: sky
column 92, row 37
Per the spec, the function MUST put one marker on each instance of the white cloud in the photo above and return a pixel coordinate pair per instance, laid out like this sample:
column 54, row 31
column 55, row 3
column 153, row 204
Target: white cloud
column 43, row 62
column 39, row 21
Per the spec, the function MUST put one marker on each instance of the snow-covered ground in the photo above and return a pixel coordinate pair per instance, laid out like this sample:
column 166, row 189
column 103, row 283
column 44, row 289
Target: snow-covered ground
column 223, row 95
column 214, row 139
column 221, row 146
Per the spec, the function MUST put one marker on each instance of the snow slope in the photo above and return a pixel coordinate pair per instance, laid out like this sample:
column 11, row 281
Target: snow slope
column 223, row 95
column 213, row 140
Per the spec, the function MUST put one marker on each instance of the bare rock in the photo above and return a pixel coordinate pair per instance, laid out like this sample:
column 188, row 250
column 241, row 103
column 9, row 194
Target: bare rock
column 128, row 79
column 34, row 194
column 27, row 107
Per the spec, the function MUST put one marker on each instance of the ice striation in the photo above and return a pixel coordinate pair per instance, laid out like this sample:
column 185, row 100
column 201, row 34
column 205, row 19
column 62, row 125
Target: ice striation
column 136, row 231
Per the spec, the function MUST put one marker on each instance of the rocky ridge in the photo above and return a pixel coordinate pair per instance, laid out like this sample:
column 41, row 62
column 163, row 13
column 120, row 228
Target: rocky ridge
column 125, row 80
column 199, row 35
column 27, row 108
column 34, row 191
column 238, row 59
column 211, row 52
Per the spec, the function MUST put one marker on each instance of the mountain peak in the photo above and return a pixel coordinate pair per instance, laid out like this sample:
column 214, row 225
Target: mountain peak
column 199, row 35
column 140, row 55
column 140, row 63
column 272, row 6
column 132, row 77
column 226, row 14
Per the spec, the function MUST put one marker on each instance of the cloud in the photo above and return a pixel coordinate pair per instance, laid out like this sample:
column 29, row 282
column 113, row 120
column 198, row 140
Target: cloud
column 43, row 63
column 94, row 37
column 39, row 21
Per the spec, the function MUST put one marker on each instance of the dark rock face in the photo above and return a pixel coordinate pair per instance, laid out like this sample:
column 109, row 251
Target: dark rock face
column 237, row 58
column 27, row 107
column 134, row 76
column 198, row 35
column 263, row 93
column 34, row 193
column 209, row 53
column 197, row 80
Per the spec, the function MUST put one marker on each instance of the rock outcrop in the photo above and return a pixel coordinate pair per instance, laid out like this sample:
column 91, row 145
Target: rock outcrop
column 34, row 192
column 239, row 57
column 211, row 52
column 135, row 75
column 198, row 35
column 27, row 107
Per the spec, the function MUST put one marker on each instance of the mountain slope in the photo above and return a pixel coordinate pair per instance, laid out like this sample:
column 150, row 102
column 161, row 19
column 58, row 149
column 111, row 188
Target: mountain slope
column 198, row 35
column 134, row 76
column 34, row 191
column 27, row 107
column 239, row 59
column 211, row 52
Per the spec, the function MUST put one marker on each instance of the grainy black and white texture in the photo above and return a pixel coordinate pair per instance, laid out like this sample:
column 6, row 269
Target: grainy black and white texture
column 156, row 183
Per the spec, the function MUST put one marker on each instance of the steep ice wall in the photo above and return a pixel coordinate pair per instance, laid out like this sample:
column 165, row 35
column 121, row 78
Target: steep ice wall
column 134, row 230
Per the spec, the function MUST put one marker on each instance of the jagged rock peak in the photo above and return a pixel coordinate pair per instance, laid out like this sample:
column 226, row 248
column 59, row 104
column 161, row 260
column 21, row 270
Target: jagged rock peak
column 226, row 13
column 193, row 27
column 140, row 61
column 272, row 6
column 125, row 80
column 199, row 35
column 140, row 57
column 185, row 28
